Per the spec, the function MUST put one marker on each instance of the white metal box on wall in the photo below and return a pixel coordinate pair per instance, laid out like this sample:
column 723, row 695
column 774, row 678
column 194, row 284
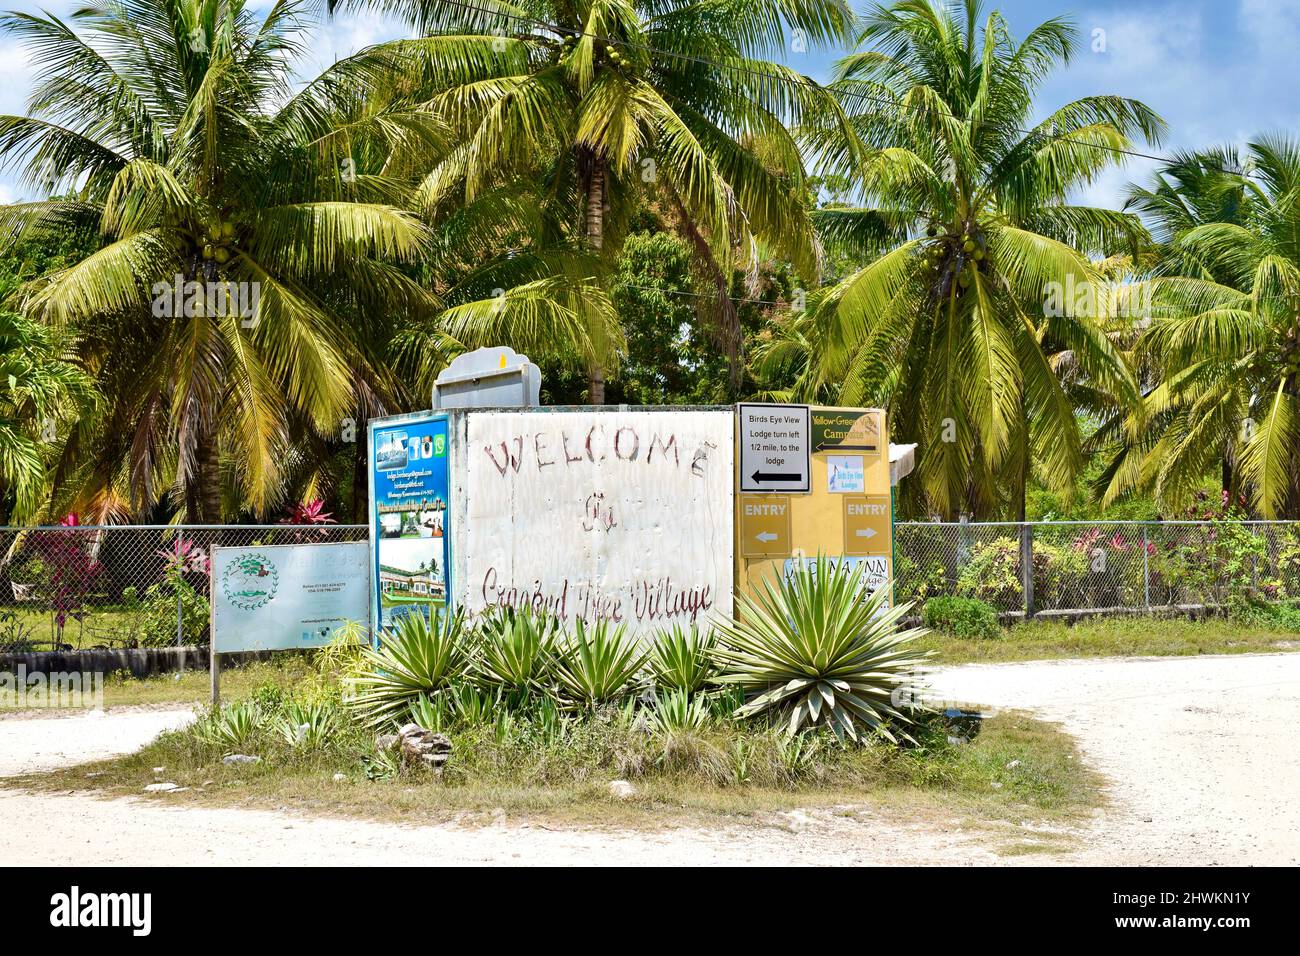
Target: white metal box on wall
column 621, row 514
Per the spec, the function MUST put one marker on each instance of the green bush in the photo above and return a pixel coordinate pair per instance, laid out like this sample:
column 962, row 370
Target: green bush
column 151, row 618
column 1257, row 612
column 1060, row 570
column 961, row 617
column 915, row 580
column 992, row 573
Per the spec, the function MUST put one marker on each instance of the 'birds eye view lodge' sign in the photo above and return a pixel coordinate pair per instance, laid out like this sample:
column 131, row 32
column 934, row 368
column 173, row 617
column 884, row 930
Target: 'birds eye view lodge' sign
column 842, row 508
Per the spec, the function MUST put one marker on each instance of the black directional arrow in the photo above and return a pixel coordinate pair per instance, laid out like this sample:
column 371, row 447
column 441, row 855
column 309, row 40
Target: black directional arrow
column 824, row 446
column 776, row 476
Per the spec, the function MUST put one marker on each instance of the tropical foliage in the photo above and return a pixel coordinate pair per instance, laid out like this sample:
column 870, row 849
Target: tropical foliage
column 966, row 210
column 414, row 658
column 812, row 649
column 613, row 103
column 1224, row 346
column 227, row 267
column 45, row 392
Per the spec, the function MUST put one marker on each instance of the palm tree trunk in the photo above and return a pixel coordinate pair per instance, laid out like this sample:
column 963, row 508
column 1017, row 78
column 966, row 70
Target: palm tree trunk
column 726, row 323
column 596, row 244
column 360, row 477
column 1024, row 486
column 209, row 480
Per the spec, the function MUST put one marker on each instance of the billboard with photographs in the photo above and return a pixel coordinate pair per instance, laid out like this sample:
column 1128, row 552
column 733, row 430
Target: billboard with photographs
column 409, row 519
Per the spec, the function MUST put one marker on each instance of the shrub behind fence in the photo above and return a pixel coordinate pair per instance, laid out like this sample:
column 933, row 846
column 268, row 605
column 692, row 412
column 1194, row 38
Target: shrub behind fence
column 1097, row 565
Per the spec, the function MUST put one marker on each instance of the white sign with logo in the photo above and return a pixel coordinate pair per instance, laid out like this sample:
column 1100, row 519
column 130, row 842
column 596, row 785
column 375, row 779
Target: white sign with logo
column 844, row 474
column 284, row 596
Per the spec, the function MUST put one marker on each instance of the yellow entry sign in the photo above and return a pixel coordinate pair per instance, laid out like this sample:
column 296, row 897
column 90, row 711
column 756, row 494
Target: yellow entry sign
column 846, row 515
column 764, row 525
column 867, row 520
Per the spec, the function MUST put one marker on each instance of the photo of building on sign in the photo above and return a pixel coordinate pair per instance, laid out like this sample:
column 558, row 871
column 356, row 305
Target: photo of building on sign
column 410, row 576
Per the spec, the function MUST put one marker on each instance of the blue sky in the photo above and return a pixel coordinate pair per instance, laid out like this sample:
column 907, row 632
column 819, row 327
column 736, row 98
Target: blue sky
column 1216, row 70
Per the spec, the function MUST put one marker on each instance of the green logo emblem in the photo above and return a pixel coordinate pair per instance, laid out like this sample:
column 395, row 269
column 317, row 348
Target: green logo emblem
column 439, row 446
column 250, row 582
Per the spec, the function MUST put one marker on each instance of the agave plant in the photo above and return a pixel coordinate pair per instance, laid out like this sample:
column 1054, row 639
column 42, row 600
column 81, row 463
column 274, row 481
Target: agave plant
column 597, row 663
column 517, row 648
column 413, row 658
column 307, row 725
column 431, row 713
column 677, row 711
column 232, row 725
column 473, row 706
column 682, row 658
column 811, row 649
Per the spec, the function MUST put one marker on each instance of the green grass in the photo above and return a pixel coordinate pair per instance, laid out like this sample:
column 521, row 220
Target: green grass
column 41, row 626
column 690, row 777
column 1137, row 636
column 1036, row 640
column 193, row 686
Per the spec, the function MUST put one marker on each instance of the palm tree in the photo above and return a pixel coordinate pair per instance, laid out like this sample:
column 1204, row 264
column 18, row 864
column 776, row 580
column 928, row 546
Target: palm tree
column 42, row 391
column 177, row 129
column 612, row 103
column 967, row 208
column 1225, row 338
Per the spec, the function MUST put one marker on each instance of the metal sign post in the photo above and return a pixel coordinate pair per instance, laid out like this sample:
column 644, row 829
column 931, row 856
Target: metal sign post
column 214, row 664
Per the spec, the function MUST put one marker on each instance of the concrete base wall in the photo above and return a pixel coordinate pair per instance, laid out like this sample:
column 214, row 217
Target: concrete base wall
column 140, row 661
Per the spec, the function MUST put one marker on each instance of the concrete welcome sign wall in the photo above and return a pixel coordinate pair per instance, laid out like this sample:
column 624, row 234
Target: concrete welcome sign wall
column 618, row 515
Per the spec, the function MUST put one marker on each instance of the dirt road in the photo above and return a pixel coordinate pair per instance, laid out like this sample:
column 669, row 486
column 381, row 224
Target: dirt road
column 1199, row 751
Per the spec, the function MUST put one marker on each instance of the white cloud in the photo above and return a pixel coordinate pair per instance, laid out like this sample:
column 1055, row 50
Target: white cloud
column 1273, row 25
column 1215, row 78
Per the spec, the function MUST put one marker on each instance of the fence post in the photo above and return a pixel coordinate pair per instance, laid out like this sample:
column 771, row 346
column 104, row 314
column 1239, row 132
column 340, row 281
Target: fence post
column 1027, row 566
column 180, row 632
column 1146, row 569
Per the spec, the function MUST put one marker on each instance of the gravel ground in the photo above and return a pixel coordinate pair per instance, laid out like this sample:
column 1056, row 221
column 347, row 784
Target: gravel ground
column 1199, row 752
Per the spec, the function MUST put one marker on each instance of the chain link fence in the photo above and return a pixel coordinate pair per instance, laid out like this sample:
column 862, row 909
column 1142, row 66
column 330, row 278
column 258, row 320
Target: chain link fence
column 76, row 588
column 1098, row 565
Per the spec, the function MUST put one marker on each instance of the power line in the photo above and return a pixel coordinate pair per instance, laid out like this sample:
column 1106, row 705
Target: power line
column 739, row 300
column 859, row 95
